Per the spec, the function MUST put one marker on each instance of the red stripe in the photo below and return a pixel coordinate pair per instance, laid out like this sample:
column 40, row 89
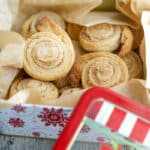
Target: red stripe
column 120, row 148
column 105, row 147
column 94, row 109
column 139, row 131
column 116, row 119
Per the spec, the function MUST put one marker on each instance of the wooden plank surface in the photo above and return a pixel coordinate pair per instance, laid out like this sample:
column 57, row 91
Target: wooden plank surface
column 23, row 143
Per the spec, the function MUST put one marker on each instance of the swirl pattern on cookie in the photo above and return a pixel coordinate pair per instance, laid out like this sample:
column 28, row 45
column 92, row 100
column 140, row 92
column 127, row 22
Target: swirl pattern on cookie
column 107, row 37
column 99, row 69
column 49, row 55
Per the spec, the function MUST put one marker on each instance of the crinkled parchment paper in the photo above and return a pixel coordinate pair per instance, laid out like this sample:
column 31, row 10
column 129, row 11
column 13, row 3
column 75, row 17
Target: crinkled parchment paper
column 14, row 13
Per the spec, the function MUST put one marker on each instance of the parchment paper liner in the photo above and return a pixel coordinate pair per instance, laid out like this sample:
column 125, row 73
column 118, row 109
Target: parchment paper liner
column 16, row 14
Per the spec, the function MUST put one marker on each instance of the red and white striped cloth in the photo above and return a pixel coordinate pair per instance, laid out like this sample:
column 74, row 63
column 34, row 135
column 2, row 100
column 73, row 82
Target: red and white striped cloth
column 121, row 121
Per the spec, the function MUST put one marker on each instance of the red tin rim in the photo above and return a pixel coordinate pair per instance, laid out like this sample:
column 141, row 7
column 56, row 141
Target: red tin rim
column 83, row 105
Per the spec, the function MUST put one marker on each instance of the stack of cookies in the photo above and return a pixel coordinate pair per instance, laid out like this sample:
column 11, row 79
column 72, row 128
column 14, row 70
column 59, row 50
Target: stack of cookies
column 61, row 57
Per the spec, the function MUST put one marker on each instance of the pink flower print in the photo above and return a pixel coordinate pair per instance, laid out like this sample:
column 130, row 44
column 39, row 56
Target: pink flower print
column 16, row 122
column 18, row 108
column 53, row 117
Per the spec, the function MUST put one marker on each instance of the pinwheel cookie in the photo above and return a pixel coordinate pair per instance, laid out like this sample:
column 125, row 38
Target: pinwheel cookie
column 30, row 26
column 49, row 55
column 47, row 90
column 99, row 69
column 107, row 37
column 134, row 64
